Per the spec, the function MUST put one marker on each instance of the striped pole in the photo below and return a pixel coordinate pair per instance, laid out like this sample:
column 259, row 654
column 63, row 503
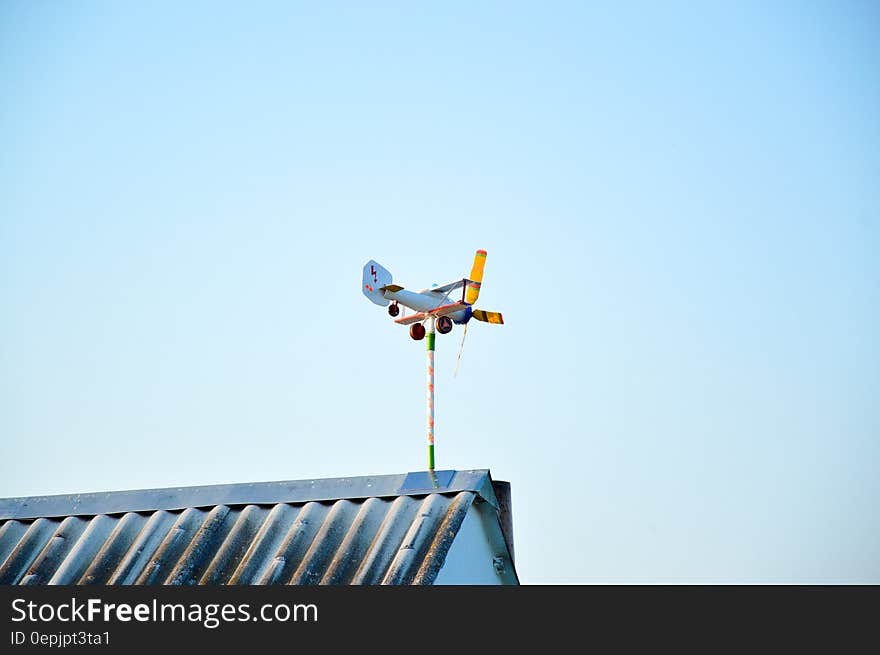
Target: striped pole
column 429, row 338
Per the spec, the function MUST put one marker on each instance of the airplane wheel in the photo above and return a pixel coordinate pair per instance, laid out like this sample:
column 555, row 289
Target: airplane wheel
column 444, row 325
column 417, row 331
column 393, row 309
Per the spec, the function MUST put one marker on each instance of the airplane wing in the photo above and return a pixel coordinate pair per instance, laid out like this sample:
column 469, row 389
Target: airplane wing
column 412, row 318
column 447, row 287
column 443, row 310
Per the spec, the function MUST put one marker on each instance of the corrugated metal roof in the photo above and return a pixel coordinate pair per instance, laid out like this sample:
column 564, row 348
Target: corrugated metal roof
column 376, row 530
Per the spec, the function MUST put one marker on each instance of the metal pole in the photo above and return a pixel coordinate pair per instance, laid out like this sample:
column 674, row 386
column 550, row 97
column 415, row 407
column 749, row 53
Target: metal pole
column 429, row 338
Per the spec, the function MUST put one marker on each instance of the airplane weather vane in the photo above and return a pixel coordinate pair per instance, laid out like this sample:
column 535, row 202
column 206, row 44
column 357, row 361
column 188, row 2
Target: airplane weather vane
column 433, row 308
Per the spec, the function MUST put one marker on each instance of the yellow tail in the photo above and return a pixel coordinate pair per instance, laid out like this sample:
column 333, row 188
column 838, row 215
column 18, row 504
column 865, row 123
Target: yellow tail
column 476, row 278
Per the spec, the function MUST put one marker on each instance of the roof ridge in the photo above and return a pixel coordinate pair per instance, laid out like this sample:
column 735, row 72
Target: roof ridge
column 417, row 483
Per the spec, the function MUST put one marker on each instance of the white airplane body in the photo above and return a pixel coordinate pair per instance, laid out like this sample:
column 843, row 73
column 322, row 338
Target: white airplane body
column 437, row 303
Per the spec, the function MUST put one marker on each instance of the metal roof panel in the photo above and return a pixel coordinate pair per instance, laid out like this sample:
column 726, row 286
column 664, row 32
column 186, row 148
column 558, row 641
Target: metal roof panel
column 297, row 532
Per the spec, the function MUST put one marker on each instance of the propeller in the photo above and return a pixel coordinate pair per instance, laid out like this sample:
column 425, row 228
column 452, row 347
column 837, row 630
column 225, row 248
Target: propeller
column 488, row 317
column 472, row 292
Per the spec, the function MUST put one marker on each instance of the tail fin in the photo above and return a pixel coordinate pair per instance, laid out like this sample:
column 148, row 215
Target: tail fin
column 476, row 277
column 375, row 277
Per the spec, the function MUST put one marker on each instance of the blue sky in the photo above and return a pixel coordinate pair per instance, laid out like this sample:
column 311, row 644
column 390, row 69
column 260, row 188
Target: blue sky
column 682, row 213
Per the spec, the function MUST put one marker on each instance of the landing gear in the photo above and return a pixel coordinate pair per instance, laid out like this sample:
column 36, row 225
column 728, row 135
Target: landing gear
column 393, row 309
column 417, row 331
column 444, row 325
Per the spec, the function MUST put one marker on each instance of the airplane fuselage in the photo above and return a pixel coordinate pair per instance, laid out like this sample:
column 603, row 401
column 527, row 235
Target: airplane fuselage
column 426, row 300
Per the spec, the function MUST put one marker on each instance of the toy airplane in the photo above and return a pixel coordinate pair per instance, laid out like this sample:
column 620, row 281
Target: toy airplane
column 429, row 303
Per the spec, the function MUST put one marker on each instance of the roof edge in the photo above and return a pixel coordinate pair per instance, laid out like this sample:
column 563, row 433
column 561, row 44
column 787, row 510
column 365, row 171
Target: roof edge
column 419, row 483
